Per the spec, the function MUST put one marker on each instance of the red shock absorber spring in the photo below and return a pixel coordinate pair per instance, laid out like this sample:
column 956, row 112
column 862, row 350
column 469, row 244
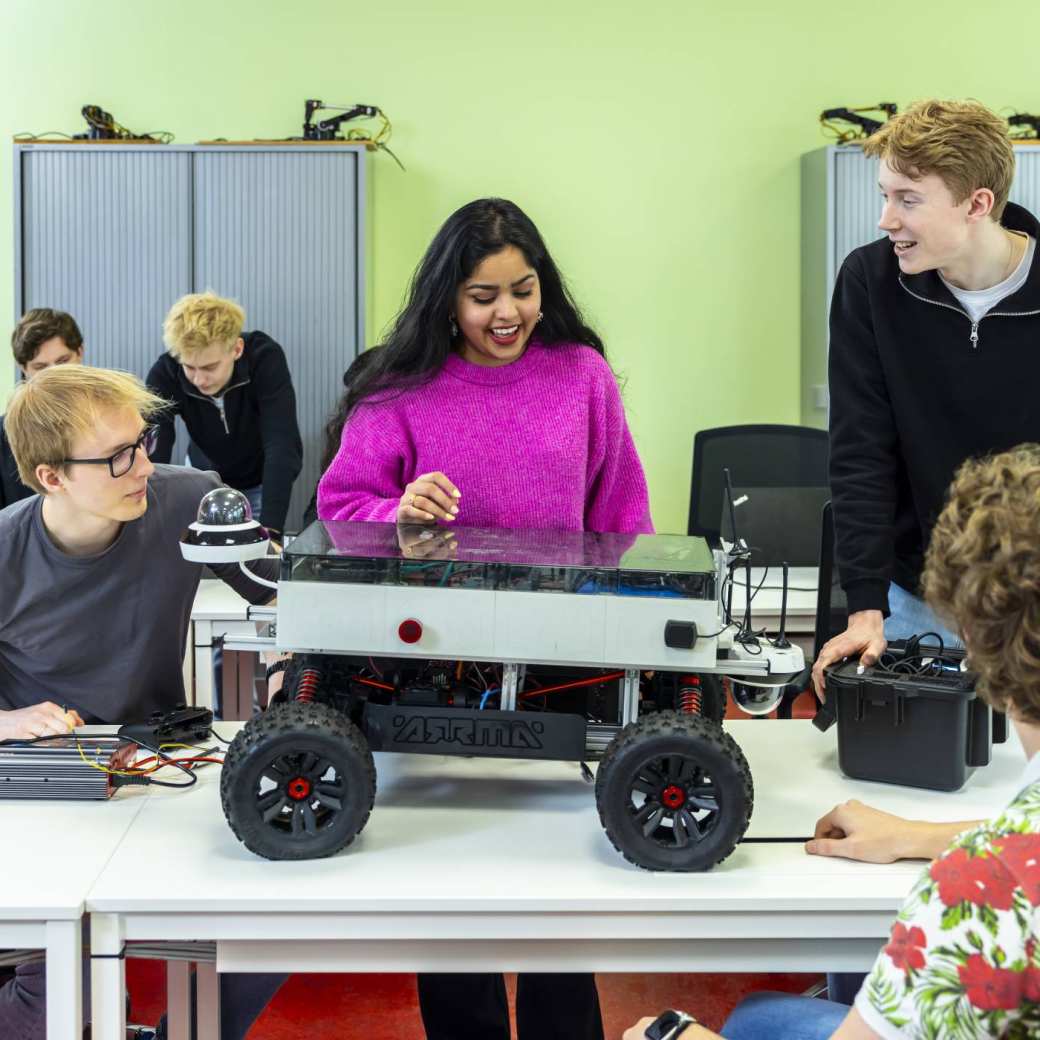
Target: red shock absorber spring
column 690, row 695
column 307, row 685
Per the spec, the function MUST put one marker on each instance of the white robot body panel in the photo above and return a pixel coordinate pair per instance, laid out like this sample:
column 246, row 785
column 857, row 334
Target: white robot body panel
column 492, row 625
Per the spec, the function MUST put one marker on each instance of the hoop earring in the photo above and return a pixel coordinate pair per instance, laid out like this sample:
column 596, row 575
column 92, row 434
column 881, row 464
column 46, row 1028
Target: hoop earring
column 452, row 327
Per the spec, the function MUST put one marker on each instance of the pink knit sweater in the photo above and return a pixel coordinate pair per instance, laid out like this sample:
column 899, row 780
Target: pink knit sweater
column 539, row 443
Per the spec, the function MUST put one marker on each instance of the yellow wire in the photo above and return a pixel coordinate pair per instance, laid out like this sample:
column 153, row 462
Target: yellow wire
column 105, row 769
column 133, row 772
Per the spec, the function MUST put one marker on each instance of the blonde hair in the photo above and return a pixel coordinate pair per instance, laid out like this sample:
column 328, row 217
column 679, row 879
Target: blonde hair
column 50, row 412
column 200, row 320
column 982, row 571
column 962, row 142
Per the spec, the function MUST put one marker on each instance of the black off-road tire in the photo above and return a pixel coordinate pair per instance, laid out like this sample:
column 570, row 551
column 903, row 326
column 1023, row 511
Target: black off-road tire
column 320, row 782
column 674, row 792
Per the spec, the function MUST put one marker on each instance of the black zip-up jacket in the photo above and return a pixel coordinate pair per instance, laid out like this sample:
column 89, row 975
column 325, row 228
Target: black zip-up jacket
column 917, row 388
column 11, row 487
column 255, row 440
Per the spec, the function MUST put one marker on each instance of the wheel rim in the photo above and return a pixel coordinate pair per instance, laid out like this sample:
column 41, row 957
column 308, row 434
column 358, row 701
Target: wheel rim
column 673, row 802
column 300, row 794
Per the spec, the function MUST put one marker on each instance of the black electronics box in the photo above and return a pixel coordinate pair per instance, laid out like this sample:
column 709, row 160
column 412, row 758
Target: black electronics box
column 920, row 725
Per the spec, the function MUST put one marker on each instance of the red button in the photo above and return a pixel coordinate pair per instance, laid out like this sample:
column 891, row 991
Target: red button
column 410, row 631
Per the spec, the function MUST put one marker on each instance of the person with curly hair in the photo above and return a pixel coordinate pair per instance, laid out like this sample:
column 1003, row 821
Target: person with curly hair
column 963, row 958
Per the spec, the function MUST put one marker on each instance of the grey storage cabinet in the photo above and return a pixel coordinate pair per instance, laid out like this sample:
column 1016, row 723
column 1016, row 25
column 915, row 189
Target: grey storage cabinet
column 114, row 234
column 841, row 206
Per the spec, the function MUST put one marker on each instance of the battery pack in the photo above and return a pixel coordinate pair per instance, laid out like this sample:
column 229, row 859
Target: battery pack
column 67, row 768
column 918, row 730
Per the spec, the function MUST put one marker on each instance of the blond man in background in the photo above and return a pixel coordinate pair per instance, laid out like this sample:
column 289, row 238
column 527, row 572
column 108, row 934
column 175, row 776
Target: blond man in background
column 235, row 394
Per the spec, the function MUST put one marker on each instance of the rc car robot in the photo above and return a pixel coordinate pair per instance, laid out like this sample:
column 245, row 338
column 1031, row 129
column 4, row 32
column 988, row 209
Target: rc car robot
column 500, row 644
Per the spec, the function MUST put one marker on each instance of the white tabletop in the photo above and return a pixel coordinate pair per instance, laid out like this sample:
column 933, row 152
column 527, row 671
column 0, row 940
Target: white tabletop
column 53, row 851
column 215, row 600
column 451, row 834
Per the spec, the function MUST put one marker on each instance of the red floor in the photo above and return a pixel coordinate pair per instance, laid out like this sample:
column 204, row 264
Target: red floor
column 383, row 1007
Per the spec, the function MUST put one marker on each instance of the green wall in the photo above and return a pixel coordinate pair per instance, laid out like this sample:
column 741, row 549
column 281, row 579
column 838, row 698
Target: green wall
column 656, row 146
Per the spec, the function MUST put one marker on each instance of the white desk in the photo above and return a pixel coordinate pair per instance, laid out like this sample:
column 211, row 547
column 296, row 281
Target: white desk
column 471, row 865
column 50, row 855
column 219, row 610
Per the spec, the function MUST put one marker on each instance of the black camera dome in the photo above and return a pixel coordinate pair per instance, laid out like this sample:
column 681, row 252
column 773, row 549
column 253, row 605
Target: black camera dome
column 756, row 698
column 225, row 531
column 224, row 507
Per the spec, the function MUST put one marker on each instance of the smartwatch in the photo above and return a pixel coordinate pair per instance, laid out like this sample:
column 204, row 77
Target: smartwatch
column 668, row 1025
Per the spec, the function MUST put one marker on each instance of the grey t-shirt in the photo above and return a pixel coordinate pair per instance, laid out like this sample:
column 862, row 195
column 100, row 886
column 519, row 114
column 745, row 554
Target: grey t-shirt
column 105, row 634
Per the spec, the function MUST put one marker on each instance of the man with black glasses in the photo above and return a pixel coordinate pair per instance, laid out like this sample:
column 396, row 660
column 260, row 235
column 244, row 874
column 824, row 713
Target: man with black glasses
column 97, row 598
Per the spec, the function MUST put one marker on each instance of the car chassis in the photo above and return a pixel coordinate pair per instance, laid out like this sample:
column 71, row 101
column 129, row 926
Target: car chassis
column 507, row 644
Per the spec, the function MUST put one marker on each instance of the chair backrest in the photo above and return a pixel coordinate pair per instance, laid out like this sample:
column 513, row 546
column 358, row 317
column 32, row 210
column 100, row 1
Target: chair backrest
column 783, row 472
column 832, row 608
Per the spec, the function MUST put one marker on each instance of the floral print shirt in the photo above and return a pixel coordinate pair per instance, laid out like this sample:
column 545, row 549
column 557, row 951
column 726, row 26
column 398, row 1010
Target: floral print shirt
column 963, row 957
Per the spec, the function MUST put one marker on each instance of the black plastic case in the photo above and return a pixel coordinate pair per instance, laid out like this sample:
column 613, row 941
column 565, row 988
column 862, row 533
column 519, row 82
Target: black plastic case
column 919, row 731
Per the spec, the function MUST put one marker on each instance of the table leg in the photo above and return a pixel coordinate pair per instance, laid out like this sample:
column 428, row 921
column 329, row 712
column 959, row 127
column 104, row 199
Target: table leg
column 107, row 977
column 64, row 980
column 208, row 983
column 203, row 643
column 178, row 1000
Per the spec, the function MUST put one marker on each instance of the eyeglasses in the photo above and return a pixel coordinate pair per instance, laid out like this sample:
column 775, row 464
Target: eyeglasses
column 123, row 461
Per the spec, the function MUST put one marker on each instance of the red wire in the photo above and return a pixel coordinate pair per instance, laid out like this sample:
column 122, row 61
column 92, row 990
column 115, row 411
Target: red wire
column 378, row 685
column 595, row 681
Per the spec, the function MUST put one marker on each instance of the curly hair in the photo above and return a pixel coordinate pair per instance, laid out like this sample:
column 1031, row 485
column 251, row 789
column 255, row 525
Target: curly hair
column 982, row 572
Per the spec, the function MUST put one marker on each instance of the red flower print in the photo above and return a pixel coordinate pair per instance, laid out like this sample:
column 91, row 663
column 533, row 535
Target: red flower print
column 906, row 947
column 1031, row 985
column 989, row 988
column 982, row 880
column 1021, row 855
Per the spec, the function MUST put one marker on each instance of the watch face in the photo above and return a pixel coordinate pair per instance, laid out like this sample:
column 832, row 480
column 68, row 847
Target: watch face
column 663, row 1026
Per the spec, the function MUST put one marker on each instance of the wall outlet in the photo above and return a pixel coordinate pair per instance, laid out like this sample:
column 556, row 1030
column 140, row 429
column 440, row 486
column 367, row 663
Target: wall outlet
column 821, row 397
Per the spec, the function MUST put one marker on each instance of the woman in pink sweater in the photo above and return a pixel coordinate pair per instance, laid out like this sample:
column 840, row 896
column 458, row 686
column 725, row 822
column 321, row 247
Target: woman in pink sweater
column 489, row 405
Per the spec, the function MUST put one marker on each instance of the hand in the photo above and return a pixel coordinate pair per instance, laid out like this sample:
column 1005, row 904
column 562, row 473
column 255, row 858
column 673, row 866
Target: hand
column 428, row 498
column 857, row 831
column 39, row 720
column 419, row 542
column 865, row 636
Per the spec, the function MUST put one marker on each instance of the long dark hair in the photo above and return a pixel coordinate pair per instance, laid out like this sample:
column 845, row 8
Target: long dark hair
column 420, row 340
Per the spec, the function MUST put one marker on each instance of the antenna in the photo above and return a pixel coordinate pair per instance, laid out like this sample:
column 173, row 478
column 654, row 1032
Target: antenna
column 747, row 595
column 731, row 505
column 781, row 641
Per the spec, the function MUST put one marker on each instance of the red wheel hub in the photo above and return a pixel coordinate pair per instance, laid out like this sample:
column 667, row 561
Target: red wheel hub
column 673, row 797
column 299, row 788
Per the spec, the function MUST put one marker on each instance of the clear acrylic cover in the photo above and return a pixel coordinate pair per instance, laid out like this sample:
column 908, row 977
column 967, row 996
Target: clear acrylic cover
column 493, row 558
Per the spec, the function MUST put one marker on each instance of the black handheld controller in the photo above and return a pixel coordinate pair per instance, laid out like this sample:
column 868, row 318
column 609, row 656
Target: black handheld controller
column 183, row 725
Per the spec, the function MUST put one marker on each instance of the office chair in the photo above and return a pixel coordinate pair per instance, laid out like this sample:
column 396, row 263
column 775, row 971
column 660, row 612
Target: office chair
column 783, row 472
